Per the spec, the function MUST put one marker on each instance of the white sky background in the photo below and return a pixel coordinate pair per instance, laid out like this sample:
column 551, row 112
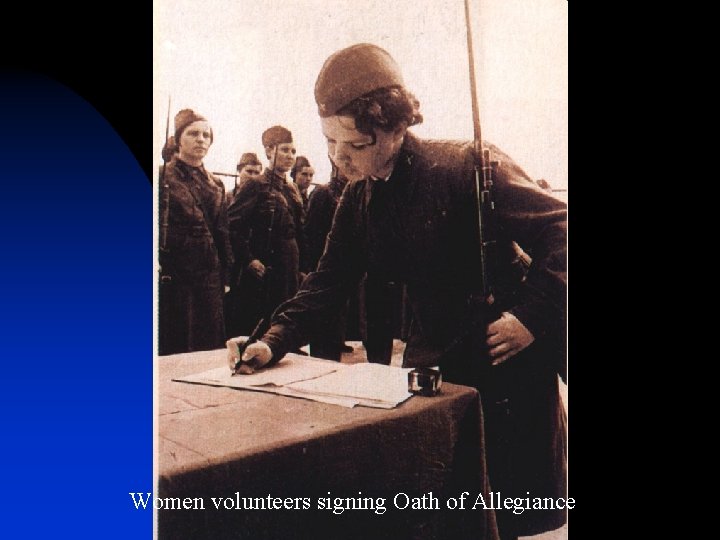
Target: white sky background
column 247, row 65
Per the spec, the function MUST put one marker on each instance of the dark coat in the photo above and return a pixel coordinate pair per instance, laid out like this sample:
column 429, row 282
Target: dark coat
column 266, row 222
column 420, row 228
column 195, row 262
column 321, row 209
column 305, row 200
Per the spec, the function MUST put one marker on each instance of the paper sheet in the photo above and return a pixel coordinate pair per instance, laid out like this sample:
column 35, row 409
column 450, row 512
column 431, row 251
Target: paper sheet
column 368, row 383
column 347, row 385
column 292, row 368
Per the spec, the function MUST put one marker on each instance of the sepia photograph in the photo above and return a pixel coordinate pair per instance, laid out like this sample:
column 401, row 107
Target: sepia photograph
column 360, row 260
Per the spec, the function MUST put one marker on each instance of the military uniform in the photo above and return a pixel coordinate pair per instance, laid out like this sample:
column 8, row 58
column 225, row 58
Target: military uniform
column 266, row 223
column 321, row 209
column 420, row 228
column 196, row 263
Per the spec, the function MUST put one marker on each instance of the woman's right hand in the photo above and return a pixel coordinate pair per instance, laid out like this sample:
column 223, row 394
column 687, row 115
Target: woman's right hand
column 257, row 354
column 257, row 268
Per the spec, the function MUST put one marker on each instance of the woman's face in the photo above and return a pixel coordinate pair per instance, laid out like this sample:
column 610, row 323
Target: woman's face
column 195, row 141
column 354, row 152
column 250, row 172
column 303, row 178
column 285, row 158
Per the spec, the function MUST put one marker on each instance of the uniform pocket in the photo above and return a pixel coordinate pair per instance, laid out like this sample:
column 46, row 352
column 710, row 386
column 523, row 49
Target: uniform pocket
column 193, row 256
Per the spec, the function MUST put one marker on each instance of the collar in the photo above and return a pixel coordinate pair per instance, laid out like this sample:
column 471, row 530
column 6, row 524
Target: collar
column 384, row 179
column 273, row 178
column 186, row 170
column 403, row 168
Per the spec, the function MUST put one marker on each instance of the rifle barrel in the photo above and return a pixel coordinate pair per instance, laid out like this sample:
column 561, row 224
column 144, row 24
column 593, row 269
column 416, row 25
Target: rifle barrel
column 477, row 133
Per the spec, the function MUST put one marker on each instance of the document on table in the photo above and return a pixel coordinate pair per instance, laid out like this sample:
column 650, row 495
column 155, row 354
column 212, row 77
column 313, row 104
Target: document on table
column 291, row 369
column 369, row 385
column 372, row 385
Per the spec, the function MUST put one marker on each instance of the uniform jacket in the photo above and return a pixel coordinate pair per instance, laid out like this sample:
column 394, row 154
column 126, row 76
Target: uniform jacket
column 265, row 213
column 198, row 241
column 321, row 209
column 195, row 260
column 420, row 228
column 266, row 223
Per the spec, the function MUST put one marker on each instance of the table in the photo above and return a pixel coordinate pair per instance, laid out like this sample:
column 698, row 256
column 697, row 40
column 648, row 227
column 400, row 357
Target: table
column 241, row 446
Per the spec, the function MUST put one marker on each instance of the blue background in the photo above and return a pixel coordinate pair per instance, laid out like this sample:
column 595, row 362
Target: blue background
column 75, row 318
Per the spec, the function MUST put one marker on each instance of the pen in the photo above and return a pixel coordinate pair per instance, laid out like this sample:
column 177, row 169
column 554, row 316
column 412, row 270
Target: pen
column 254, row 336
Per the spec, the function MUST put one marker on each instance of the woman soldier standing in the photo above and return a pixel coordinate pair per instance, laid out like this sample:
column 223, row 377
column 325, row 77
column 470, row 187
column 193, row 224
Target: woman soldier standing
column 409, row 216
column 195, row 253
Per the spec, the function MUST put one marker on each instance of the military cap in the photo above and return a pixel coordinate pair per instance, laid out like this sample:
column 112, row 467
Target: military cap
column 353, row 72
column 184, row 118
column 248, row 158
column 300, row 162
column 276, row 135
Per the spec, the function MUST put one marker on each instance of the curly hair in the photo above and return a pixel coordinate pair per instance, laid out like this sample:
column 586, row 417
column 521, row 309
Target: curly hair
column 385, row 108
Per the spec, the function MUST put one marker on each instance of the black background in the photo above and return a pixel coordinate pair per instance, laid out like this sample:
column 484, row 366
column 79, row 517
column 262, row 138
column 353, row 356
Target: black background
column 102, row 51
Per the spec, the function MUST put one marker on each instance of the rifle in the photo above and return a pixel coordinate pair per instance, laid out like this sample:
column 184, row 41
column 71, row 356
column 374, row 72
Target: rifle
column 268, row 251
column 166, row 201
column 483, row 308
column 263, row 324
column 485, row 168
